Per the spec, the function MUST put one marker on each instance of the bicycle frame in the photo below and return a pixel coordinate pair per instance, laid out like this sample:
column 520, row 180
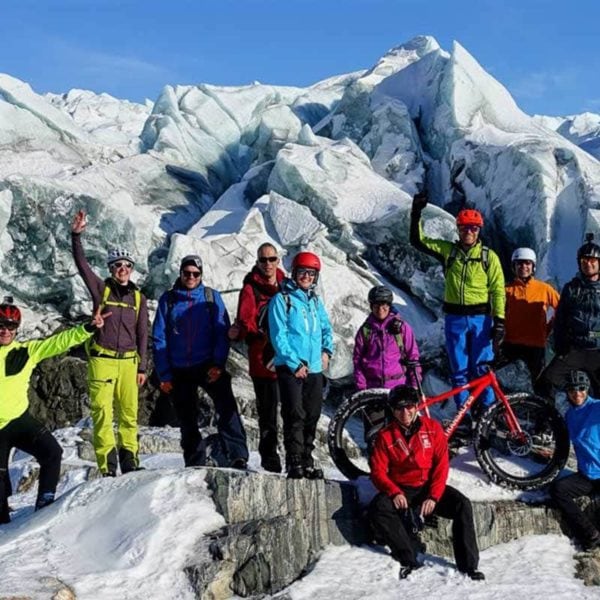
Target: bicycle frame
column 475, row 387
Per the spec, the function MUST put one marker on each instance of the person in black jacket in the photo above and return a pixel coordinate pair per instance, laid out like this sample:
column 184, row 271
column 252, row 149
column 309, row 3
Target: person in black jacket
column 577, row 325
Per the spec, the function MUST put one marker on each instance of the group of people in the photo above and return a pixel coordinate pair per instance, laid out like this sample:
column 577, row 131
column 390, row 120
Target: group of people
column 290, row 342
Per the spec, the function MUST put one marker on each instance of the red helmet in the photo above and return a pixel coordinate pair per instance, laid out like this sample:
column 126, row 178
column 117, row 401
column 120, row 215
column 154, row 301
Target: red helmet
column 469, row 216
column 308, row 260
column 9, row 313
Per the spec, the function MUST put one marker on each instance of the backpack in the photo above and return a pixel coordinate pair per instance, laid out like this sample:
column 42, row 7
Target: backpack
column 367, row 330
column 483, row 259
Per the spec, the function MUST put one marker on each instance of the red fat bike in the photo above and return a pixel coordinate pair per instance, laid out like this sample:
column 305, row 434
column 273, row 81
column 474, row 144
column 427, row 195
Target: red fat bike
column 520, row 441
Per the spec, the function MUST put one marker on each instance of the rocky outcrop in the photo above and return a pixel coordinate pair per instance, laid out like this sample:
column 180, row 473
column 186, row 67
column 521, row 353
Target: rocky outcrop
column 276, row 529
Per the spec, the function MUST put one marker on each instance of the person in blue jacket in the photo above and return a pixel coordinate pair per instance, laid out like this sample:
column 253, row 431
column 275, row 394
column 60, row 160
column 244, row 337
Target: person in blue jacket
column 190, row 350
column 302, row 340
column 583, row 423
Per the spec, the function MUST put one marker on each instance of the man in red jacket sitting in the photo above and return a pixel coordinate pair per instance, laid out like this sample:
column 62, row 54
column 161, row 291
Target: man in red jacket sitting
column 409, row 466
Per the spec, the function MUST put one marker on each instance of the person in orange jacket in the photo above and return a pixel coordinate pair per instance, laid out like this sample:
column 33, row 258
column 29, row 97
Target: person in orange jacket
column 409, row 467
column 530, row 305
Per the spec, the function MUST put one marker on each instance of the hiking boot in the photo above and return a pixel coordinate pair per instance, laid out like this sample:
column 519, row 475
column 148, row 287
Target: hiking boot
column 44, row 500
column 475, row 575
column 239, row 463
column 295, row 472
column 271, row 464
column 406, row 571
column 128, row 461
column 109, row 474
column 313, row 473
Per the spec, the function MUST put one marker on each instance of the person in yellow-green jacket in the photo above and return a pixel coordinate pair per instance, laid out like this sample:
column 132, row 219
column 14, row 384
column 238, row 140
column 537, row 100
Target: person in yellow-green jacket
column 117, row 365
column 474, row 296
column 18, row 429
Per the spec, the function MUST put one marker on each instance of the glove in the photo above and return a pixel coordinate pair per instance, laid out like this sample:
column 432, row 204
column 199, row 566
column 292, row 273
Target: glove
column 497, row 333
column 419, row 202
column 166, row 387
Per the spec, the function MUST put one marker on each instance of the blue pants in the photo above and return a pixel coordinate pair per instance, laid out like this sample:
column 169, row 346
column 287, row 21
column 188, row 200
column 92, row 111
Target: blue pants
column 469, row 343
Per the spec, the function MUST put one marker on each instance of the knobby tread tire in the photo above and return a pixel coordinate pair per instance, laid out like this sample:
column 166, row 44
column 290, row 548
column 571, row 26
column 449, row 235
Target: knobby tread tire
column 559, row 430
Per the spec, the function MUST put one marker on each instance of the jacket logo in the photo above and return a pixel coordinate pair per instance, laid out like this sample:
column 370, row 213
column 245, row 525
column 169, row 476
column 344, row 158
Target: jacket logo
column 425, row 440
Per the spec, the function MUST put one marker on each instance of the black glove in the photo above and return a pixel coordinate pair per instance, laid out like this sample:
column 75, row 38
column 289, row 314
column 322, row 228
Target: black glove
column 395, row 326
column 497, row 333
column 419, row 202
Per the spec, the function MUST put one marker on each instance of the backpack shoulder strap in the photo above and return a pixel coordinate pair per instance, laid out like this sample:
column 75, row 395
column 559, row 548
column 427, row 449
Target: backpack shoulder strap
column 209, row 295
column 451, row 258
column 485, row 258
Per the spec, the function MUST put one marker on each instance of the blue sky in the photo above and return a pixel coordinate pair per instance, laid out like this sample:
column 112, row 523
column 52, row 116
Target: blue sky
column 544, row 51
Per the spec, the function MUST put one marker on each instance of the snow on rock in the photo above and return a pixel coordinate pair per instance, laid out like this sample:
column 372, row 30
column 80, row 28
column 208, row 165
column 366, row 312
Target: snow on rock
column 583, row 130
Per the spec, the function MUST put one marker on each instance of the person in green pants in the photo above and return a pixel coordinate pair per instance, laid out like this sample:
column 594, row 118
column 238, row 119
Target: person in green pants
column 18, row 428
column 117, row 365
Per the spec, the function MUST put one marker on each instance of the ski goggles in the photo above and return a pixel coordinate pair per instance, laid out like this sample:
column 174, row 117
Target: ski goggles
column 9, row 325
column 301, row 271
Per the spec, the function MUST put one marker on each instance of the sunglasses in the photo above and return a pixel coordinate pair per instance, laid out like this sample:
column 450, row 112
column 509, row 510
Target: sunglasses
column 524, row 262
column 470, row 228
column 577, row 388
column 9, row 325
column 266, row 259
column 121, row 264
column 301, row 271
column 405, row 407
column 194, row 274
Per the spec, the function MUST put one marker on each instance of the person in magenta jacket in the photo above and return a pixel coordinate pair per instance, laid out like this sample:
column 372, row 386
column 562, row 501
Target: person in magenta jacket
column 383, row 343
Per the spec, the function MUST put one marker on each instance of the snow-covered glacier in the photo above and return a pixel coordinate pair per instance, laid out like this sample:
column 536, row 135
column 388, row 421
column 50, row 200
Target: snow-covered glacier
column 331, row 167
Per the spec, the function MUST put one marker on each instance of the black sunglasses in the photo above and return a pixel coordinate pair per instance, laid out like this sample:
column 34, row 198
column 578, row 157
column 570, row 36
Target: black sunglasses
column 194, row 274
column 266, row 259
column 577, row 388
column 10, row 325
column 300, row 271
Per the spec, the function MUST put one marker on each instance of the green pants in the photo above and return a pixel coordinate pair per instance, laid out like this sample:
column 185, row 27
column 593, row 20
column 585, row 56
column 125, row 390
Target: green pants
column 113, row 379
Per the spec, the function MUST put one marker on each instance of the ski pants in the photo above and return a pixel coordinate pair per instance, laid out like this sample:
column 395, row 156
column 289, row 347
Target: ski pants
column 267, row 402
column 301, row 401
column 564, row 491
column 469, row 344
column 114, row 380
column 532, row 356
column 388, row 526
column 229, row 424
column 29, row 435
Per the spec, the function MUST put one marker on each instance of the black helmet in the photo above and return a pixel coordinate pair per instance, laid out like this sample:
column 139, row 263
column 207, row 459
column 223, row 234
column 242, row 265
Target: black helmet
column 380, row 295
column 589, row 248
column 403, row 395
column 576, row 379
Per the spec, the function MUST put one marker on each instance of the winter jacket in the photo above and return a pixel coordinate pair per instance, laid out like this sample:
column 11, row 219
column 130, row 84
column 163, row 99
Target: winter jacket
column 255, row 293
column 299, row 328
column 124, row 330
column 377, row 354
column 17, row 361
column 423, row 460
column 469, row 289
column 189, row 330
column 527, row 306
column 583, row 423
column 577, row 323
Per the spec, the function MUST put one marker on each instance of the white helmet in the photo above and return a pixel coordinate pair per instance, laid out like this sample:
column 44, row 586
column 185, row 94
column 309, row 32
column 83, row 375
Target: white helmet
column 524, row 254
column 115, row 254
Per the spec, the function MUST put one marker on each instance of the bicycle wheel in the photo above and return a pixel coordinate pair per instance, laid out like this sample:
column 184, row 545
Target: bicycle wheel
column 353, row 428
column 531, row 459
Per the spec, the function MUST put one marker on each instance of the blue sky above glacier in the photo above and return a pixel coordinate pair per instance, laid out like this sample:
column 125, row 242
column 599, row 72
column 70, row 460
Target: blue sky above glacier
column 543, row 51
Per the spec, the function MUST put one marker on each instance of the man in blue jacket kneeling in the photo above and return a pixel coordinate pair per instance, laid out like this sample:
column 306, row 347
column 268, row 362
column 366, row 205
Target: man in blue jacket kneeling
column 583, row 423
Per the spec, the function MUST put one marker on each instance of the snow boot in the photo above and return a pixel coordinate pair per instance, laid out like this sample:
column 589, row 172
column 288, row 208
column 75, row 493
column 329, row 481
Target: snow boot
column 44, row 500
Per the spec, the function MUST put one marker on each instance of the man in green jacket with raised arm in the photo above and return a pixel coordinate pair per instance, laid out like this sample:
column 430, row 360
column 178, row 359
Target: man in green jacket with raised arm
column 18, row 429
column 474, row 296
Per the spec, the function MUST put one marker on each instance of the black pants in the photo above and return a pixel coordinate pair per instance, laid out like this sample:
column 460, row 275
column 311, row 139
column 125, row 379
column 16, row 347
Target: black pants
column 389, row 528
column 229, row 425
column 533, row 357
column 564, row 491
column 301, row 401
column 267, row 402
column 29, row 435
column 553, row 376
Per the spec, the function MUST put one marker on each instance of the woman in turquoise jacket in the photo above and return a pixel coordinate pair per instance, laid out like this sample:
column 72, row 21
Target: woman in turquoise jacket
column 302, row 339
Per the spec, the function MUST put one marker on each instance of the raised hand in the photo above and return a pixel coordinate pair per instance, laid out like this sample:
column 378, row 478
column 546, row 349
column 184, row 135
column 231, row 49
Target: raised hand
column 79, row 222
column 99, row 318
column 420, row 201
